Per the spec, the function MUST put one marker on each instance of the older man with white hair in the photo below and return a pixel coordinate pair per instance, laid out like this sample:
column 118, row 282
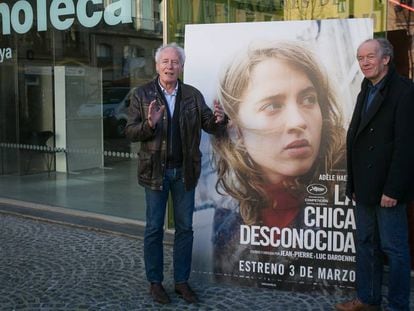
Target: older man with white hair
column 167, row 117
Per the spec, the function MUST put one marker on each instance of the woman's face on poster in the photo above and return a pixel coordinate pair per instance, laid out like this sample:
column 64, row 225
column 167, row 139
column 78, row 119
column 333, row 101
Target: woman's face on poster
column 280, row 120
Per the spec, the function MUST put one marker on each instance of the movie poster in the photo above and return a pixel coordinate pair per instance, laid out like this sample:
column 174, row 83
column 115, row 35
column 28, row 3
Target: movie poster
column 270, row 203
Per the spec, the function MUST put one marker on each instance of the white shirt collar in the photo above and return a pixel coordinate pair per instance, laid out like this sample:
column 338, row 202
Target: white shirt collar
column 174, row 93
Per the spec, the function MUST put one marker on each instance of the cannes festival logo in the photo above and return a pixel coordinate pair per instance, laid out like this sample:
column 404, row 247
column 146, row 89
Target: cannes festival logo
column 316, row 189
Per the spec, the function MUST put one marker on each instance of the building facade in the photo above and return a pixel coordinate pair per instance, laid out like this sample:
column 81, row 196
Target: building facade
column 68, row 67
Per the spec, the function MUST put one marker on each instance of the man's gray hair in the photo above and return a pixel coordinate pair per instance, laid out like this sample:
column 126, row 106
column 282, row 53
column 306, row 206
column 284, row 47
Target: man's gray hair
column 385, row 47
column 173, row 45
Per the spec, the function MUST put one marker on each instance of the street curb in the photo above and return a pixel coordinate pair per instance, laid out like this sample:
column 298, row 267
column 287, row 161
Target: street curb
column 87, row 220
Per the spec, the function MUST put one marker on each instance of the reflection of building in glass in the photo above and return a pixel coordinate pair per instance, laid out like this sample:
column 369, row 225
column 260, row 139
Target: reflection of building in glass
column 321, row 9
column 119, row 51
column 400, row 32
column 184, row 12
column 147, row 15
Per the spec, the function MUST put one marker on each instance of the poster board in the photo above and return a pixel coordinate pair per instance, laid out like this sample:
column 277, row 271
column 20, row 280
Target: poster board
column 240, row 237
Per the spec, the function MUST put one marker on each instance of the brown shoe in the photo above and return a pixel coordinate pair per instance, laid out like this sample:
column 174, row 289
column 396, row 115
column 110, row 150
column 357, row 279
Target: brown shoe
column 356, row 305
column 184, row 290
column 159, row 294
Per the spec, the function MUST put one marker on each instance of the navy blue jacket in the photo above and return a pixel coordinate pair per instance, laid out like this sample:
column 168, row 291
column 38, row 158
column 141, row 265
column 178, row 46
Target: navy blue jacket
column 380, row 144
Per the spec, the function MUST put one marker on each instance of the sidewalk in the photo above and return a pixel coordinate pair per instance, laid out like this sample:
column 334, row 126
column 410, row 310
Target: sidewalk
column 50, row 266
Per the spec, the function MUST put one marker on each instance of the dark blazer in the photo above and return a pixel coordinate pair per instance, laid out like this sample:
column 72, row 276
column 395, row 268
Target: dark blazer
column 380, row 144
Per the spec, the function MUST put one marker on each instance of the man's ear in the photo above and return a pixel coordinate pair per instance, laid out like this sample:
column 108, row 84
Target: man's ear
column 386, row 60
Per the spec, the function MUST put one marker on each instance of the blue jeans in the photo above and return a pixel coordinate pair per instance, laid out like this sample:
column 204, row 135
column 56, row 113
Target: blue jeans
column 383, row 231
column 183, row 206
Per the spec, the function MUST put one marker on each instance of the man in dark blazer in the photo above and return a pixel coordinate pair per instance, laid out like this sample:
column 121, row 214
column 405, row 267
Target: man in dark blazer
column 380, row 155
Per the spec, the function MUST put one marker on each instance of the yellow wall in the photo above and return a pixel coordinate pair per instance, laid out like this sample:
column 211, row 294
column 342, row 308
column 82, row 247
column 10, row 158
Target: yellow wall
column 321, row 9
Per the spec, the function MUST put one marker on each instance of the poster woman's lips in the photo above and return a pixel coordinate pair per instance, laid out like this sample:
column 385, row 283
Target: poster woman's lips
column 298, row 144
column 300, row 148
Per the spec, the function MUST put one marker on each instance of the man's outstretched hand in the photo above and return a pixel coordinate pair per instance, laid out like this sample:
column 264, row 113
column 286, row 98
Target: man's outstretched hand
column 155, row 112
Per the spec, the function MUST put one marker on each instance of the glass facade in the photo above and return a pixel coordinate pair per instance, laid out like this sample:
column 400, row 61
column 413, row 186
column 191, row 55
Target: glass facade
column 68, row 67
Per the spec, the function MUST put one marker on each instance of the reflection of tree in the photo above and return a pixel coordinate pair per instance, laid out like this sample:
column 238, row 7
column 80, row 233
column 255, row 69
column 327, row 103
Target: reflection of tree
column 305, row 9
column 404, row 20
column 182, row 12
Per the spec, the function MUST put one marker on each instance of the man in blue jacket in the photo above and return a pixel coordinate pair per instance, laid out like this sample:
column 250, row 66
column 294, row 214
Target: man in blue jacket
column 380, row 151
column 167, row 117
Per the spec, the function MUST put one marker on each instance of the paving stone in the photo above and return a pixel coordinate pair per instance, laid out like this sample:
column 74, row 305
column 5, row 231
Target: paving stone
column 49, row 266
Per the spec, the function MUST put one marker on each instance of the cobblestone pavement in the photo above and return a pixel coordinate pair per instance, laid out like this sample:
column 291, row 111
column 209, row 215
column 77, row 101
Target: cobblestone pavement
column 48, row 266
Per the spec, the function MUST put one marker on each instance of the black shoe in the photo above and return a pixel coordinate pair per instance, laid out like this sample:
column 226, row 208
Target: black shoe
column 184, row 290
column 159, row 294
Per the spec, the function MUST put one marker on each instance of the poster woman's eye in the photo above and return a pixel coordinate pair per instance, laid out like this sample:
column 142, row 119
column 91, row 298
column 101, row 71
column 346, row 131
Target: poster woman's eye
column 272, row 107
column 309, row 100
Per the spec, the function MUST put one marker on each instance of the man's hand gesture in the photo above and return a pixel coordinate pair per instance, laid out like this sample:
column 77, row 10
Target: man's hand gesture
column 218, row 111
column 155, row 112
